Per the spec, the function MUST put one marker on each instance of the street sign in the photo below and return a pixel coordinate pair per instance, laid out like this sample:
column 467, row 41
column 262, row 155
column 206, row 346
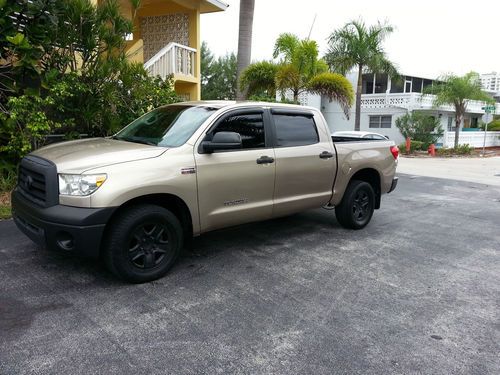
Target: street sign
column 489, row 108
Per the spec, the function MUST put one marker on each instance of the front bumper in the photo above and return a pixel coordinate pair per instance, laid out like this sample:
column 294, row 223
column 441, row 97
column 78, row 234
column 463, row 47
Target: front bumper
column 72, row 229
column 394, row 184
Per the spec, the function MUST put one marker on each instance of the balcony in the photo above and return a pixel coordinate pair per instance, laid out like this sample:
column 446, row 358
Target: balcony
column 174, row 59
column 415, row 101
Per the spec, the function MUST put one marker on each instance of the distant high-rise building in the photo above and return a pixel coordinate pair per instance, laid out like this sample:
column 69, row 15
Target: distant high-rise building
column 491, row 81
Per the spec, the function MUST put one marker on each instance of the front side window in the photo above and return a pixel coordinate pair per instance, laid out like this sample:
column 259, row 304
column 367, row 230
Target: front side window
column 380, row 122
column 250, row 126
column 168, row 126
column 295, row 129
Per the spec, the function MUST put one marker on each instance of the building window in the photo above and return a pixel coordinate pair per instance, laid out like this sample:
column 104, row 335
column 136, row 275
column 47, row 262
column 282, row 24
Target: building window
column 451, row 123
column 417, row 84
column 378, row 122
column 397, row 85
column 368, row 83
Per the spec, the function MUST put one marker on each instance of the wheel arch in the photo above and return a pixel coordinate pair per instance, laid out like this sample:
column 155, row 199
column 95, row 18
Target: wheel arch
column 371, row 176
column 170, row 202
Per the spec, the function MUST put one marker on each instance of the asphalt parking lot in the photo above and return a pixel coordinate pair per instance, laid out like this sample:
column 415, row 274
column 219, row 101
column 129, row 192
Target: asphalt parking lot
column 416, row 292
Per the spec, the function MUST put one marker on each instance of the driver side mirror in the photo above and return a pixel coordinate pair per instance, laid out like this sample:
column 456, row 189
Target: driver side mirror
column 222, row 141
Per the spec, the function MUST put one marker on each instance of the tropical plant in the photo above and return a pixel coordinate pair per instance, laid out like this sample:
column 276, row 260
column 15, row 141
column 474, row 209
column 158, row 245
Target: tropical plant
column 244, row 42
column 358, row 46
column 206, row 60
column 218, row 76
column 260, row 79
column 457, row 150
column 420, row 127
column 414, row 146
column 297, row 69
column 492, row 126
column 457, row 91
column 75, row 77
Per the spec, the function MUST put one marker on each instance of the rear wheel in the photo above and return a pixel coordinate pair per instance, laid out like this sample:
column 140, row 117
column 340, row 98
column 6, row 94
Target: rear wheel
column 357, row 206
column 143, row 243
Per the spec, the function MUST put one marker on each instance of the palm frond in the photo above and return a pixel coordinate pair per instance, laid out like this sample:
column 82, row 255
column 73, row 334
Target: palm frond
column 335, row 87
column 285, row 46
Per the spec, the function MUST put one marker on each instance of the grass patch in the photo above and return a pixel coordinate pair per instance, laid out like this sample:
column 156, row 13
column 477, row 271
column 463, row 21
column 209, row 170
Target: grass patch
column 5, row 212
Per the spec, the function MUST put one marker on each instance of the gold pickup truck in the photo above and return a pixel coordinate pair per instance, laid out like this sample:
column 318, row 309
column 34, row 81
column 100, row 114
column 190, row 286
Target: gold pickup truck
column 185, row 169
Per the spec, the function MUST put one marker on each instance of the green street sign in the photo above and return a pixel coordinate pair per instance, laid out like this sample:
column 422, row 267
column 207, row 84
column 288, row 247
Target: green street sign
column 489, row 108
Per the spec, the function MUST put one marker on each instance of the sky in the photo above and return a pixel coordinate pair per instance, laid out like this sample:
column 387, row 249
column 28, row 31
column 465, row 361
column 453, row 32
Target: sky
column 431, row 37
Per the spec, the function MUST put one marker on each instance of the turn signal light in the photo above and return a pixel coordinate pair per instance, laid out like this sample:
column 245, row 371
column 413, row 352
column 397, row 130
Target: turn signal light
column 395, row 151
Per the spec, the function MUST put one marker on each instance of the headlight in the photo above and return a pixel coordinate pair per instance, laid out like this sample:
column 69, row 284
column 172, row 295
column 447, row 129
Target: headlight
column 80, row 184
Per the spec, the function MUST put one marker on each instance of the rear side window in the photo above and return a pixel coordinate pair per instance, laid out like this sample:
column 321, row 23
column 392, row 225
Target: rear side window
column 249, row 125
column 295, row 129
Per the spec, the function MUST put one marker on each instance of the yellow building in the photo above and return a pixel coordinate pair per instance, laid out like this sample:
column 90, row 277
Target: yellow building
column 166, row 39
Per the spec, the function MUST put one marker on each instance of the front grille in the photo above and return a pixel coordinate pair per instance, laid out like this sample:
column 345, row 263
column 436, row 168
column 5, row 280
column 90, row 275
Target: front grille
column 32, row 185
column 37, row 181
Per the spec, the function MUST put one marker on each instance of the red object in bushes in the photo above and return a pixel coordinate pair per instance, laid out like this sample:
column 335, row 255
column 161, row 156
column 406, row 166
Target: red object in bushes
column 432, row 150
column 408, row 145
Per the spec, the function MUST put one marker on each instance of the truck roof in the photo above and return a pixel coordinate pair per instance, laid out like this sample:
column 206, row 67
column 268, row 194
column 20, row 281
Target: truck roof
column 233, row 103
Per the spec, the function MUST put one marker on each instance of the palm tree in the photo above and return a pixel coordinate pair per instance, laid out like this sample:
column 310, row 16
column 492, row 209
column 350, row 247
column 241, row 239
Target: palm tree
column 298, row 69
column 457, row 91
column 244, row 41
column 357, row 46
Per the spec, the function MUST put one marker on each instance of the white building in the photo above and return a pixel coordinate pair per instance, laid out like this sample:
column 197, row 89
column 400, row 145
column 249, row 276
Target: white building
column 384, row 100
column 491, row 84
column 491, row 81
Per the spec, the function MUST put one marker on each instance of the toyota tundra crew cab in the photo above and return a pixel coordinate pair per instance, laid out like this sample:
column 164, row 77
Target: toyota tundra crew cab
column 185, row 169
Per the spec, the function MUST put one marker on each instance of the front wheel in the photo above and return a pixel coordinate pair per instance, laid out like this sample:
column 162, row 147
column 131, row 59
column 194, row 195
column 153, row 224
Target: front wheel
column 143, row 243
column 357, row 206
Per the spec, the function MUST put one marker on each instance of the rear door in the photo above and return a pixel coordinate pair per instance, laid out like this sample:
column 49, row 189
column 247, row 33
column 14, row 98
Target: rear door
column 236, row 186
column 305, row 161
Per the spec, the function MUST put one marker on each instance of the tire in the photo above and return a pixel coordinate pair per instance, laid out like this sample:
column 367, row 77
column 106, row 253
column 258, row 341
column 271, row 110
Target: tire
column 143, row 243
column 356, row 208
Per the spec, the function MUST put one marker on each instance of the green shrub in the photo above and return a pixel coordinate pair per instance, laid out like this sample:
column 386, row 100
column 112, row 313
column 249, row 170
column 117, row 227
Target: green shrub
column 420, row 127
column 494, row 125
column 459, row 150
column 464, row 149
column 94, row 91
column 414, row 145
column 8, row 177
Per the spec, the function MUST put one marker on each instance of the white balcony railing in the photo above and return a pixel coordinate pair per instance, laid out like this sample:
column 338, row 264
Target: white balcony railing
column 173, row 59
column 414, row 101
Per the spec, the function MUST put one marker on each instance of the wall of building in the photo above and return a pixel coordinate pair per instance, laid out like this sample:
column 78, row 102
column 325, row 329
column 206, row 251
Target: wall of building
column 337, row 121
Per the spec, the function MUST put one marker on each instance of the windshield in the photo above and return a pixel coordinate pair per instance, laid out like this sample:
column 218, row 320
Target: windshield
column 169, row 126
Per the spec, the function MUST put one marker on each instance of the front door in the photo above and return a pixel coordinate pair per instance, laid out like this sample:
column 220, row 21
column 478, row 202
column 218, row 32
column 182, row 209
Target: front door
column 236, row 186
column 305, row 162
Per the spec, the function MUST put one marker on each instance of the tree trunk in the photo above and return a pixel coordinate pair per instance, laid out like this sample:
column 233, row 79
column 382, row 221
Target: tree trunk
column 244, row 42
column 459, row 114
column 357, row 115
column 296, row 96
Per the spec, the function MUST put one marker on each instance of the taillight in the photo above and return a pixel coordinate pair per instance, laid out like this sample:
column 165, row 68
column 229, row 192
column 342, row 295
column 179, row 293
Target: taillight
column 395, row 151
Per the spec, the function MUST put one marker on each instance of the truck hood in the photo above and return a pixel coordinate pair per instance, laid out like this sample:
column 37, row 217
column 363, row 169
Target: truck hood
column 81, row 155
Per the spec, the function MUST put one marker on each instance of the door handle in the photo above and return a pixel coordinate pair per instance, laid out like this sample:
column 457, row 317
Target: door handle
column 265, row 160
column 326, row 155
